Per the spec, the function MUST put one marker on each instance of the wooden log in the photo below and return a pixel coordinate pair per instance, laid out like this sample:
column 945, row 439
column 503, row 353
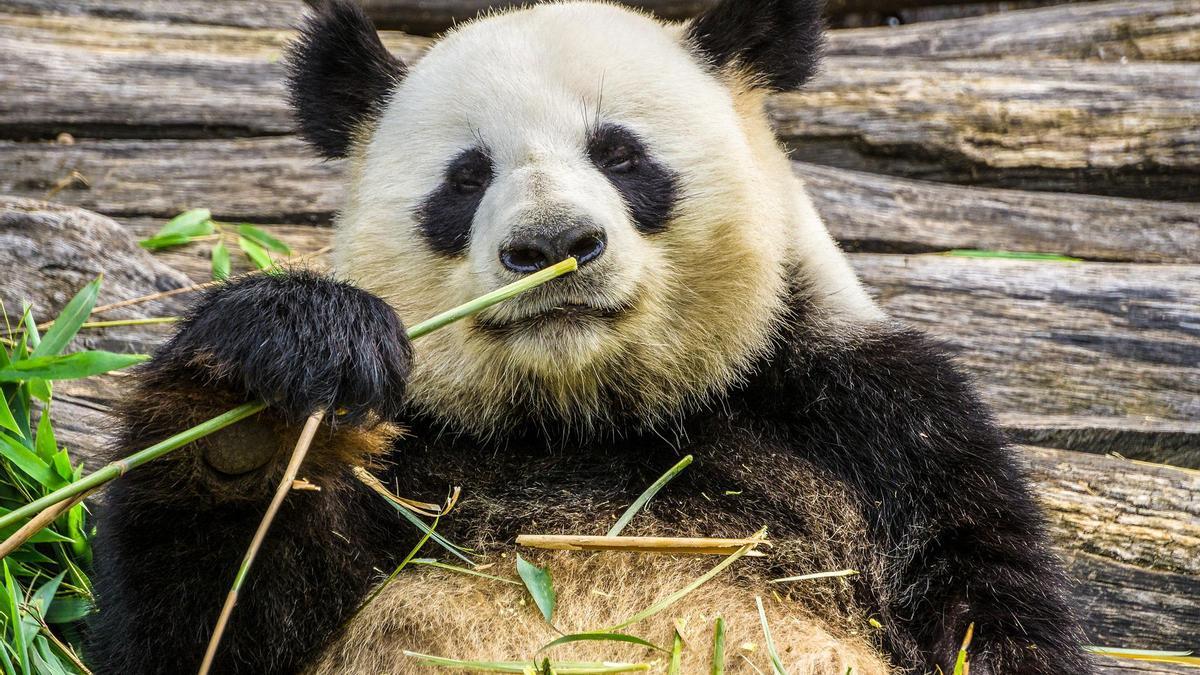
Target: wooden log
column 1118, row 129
column 873, row 213
column 1106, row 128
column 111, row 78
column 242, row 13
column 278, row 180
column 1123, row 30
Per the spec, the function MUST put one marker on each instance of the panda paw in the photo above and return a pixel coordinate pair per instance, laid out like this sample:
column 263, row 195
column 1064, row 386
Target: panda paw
column 299, row 341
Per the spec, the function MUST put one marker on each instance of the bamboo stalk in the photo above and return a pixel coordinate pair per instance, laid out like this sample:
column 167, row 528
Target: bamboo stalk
column 35, row 524
column 118, row 468
column 665, row 545
column 285, row 486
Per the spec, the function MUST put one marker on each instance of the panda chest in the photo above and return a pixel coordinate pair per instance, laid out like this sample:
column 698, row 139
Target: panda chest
column 450, row 614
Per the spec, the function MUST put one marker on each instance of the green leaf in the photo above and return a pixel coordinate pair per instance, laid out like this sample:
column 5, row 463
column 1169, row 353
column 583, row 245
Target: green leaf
column 601, row 637
column 15, row 624
column 69, row 320
column 647, row 496
column 28, row 461
column 430, row 562
column 526, row 667
column 257, row 254
column 220, row 261
column 68, row 610
column 540, row 585
column 194, row 223
column 1011, row 255
column 718, row 652
column 68, row 366
column 263, row 239
column 7, row 420
column 43, row 597
column 155, row 243
column 676, row 666
column 46, row 445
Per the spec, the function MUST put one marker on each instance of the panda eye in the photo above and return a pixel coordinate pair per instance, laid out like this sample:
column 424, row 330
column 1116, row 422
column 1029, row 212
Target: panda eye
column 470, row 173
column 621, row 159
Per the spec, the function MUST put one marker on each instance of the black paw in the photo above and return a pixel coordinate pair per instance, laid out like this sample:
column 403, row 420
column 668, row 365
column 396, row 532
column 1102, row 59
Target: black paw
column 300, row 341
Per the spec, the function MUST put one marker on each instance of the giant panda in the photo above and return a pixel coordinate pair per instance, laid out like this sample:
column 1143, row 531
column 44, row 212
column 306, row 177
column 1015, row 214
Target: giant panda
column 711, row 315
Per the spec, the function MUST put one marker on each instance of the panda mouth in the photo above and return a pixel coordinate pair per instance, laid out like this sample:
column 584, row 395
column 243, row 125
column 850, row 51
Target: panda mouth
column 558, row 315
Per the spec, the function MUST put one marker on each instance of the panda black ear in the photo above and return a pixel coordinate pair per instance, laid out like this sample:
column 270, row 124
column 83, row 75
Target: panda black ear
column 778, row 41
column 339, row 75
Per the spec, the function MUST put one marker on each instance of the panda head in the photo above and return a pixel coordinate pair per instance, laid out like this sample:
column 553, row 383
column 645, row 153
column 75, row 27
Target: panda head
column 575, row 129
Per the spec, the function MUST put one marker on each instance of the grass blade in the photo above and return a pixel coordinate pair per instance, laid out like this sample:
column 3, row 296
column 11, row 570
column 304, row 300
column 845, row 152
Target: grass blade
column 429, row 562
column 676, row 666
column 718, row 652
column 527, row 667
column 540, row 585
column 1180, row 657
column 817, row 575
column 776, row 662
column 647, row 496
column 677, row 595
column 601, row 637
column 960, row 663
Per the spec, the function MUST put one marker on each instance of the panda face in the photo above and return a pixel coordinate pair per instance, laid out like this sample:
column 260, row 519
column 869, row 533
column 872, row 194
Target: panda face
column 587, row 130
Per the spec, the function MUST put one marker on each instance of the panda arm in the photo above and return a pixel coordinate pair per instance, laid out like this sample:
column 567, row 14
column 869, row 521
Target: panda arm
column 955, row 535
column 172, row 533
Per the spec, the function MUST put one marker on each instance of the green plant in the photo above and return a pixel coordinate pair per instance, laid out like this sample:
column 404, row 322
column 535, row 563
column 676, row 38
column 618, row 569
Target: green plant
column 198, row 225
column 45, row 590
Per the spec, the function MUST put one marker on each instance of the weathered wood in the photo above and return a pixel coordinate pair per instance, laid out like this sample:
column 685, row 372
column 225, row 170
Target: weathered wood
column 1174, row 442
column 279, row 180
column 1103, row 128
column 116, row 78
column 255, row 14
column 869, row 212
column 1149, row 30
column 1109, row 128
column 49, row 252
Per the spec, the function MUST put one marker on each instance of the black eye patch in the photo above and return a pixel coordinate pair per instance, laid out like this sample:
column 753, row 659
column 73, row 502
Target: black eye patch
column 446, row 214
column 649, row 188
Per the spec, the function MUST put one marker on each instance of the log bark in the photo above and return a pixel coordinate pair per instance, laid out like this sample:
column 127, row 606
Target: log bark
column 278, row 180
column 1104, row 128
column 1124, row 30
column 1118, row 129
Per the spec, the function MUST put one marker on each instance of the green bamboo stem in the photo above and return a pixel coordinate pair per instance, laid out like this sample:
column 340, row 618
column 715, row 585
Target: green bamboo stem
column 118, row 468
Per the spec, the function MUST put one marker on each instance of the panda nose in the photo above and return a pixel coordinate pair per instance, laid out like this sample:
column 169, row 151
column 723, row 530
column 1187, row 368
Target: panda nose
column 536, row 251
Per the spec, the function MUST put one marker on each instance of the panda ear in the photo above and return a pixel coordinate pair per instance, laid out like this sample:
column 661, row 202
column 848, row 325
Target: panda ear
column 777, row 41
column 339, row 76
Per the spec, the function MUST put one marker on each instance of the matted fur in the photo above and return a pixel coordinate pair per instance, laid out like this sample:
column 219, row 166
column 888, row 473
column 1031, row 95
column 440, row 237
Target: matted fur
column 450, row 614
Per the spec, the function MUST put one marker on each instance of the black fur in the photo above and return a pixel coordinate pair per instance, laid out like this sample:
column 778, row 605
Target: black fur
column 876, row 456
column 446, row 215
column 778, row 40
column 648, row 188
column 300, row 341
column 339, row 76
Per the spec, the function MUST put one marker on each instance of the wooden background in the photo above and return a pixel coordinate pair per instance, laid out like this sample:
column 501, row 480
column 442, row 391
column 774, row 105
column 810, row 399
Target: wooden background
column 1069, row 128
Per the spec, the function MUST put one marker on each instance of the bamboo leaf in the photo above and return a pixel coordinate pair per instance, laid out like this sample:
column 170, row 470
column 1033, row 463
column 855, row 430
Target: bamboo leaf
column 540, row 585
column 601, row 637
column 647, row 496
column 43, row 597
column 1011, row 255
column 193, row 223
column 7, row 420
column 28, row 462
column 256, row 254
column 157, row 243
column 68, row 610
column 68, row 366
column 220, row 262
column 718, row 653
column 69, row 320
column 45, row 444
column 676, row 665
column 561, row 667
column 263, row 239
column 429, row 562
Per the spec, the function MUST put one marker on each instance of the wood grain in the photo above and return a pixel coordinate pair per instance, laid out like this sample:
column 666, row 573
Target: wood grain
column 1105, row 128
column 1124, row 30
column 278, row 180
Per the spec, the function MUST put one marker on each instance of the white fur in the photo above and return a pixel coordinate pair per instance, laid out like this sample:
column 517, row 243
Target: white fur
column 528, row 84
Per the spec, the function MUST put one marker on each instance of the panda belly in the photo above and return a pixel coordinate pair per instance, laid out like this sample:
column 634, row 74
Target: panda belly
column 450, row 614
